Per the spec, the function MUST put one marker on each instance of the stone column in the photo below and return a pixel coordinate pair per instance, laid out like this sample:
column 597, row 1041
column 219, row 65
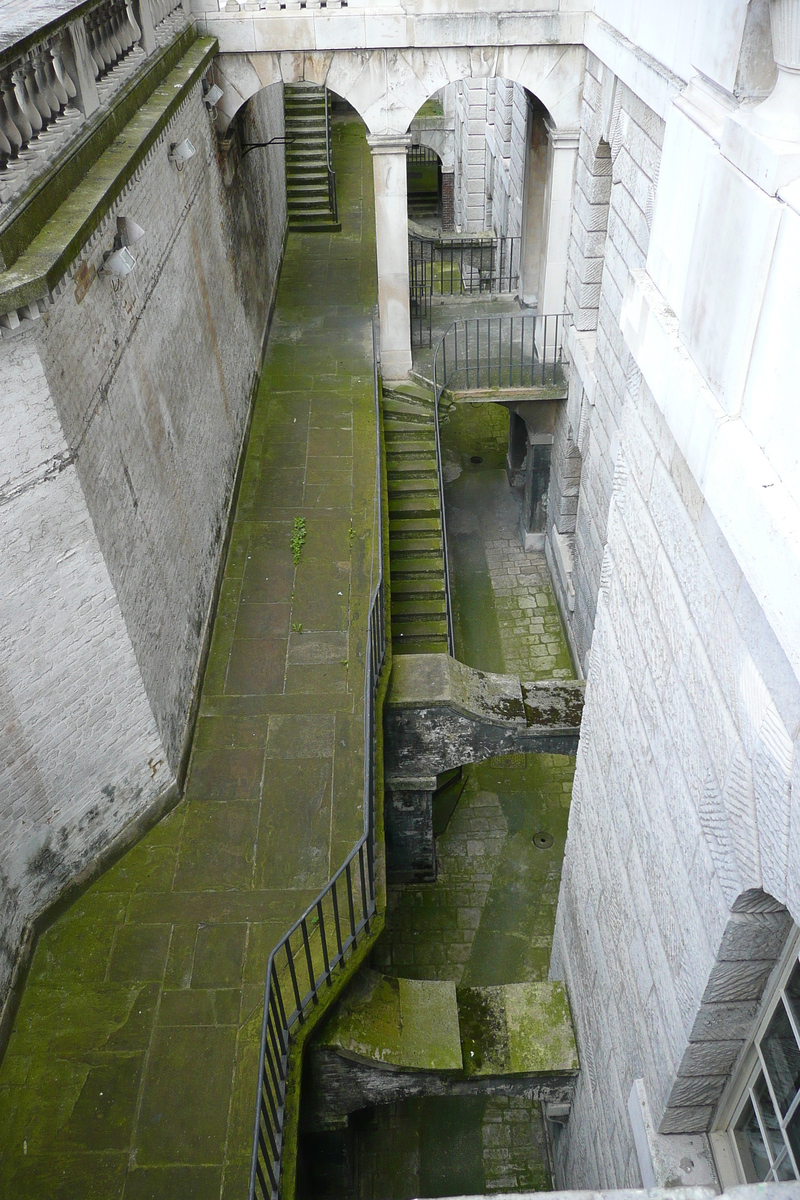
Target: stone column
column 391, row 241
column 561, row 159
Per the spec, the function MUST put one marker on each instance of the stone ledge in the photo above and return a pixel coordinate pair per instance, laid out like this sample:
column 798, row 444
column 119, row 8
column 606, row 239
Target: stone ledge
column 39, row 270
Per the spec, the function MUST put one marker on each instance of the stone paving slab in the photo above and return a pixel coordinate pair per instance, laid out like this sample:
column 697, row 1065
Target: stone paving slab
column 131, row 1069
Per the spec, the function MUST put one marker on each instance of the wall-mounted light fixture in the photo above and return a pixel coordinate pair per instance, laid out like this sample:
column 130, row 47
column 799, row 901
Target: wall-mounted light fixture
column 117, row 263
column 213, row 95
column 128, row 232
column 181, row 152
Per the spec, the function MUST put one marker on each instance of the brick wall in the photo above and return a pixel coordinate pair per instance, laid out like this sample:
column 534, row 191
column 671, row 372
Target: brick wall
column 124, row 409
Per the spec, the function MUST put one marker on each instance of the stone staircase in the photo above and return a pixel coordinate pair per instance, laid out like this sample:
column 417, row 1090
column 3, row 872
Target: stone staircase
column 307, row 197
column 419, row 614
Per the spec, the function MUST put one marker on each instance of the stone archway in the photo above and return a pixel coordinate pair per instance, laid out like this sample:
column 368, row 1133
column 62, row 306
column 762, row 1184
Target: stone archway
column 387, row 87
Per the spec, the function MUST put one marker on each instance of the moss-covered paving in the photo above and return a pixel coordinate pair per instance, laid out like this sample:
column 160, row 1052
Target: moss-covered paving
column 131, row 1068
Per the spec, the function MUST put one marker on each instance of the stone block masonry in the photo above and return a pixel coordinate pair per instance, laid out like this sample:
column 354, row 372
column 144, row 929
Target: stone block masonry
column 124, row 409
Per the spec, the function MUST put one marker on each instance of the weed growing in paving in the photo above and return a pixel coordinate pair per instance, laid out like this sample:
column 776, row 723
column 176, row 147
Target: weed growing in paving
column 298, row 538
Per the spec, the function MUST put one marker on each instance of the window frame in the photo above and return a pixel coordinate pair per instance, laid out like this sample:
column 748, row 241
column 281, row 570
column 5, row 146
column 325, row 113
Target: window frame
column 746, row 1071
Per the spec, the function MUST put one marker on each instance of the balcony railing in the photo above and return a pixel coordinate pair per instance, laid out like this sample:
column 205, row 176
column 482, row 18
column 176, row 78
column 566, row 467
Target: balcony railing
column 303, row 965
column 457, row 267
column 508, row 352
column 53, row 85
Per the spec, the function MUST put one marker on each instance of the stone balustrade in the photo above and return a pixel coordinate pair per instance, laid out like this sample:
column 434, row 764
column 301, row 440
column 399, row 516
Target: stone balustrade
column 50, row 89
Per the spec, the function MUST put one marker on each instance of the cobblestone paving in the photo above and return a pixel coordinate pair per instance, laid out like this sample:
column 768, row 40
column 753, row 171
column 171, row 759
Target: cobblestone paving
column 449, row 1146
column 131, row 1070
column 505, row 614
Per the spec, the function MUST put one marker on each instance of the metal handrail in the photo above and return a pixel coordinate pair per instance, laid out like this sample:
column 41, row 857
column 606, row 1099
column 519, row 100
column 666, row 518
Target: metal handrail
column 332, row 199
column 508, row 352
column 451, row 644
column 326, row 934
column 466, row 264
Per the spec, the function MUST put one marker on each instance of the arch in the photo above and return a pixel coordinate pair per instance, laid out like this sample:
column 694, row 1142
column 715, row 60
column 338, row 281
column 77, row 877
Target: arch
column 388, row 87
column 753, row 940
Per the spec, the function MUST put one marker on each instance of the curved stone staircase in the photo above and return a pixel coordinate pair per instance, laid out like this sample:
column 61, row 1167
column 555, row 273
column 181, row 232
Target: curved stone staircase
column 419, row 615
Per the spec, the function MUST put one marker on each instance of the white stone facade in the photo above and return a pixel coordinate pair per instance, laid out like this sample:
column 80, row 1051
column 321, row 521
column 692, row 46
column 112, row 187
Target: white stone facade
column 124, row 408
column 673, row 542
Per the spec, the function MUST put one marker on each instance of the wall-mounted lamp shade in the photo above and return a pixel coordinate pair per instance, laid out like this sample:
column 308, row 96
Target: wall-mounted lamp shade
column 118, row 262
column 181, row 152
column 213, row 95
column 128, row 232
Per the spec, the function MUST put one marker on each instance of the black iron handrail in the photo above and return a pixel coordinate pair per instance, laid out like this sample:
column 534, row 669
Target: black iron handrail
column 512, row 352
column 462, row 266
column 332, row 200
column 325, row 936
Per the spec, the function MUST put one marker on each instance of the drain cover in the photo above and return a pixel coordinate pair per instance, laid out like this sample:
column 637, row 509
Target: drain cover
column 543, row 840
column 476, row 459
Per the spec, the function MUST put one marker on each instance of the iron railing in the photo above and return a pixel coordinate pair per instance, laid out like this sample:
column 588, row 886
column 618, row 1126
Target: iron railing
column 332, row 200
column 463, row 266
column 304, row 962
column 456, row 267
column 416, row 155
column 500, row 352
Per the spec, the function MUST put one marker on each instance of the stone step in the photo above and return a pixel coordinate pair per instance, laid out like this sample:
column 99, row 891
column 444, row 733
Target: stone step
column 417, row 455
column 411, row 645
column 406, row 408
column 417, row 508
column 301, row 204
column 418, row 610
column 417, row 589
column 409, row 526
column 425, row 630
column 418, row 471
column 410, row 390
column 407, row 549
column 402, row 423
column 410, row 567
column 401, row 397
column 413, row 487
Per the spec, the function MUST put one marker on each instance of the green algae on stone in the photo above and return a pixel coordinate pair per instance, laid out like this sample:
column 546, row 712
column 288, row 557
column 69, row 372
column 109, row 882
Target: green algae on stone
column 399, row 1022
column 517, row 1029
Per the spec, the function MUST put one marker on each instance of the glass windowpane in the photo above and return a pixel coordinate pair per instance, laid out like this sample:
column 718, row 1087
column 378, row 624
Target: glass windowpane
column 793, row 993
column 782, row 1058
column 793, row 1134
column 749, row 1143
column 769, row 1120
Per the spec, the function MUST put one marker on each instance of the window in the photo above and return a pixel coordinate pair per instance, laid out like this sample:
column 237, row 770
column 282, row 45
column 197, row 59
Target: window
column 758, row 1136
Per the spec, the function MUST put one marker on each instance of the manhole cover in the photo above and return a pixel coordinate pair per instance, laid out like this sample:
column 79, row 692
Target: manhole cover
column 543, row 840
column 476, row 460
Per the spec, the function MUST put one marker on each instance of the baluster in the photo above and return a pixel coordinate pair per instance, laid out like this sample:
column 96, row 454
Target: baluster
column 110, row 27
column 94, row 39
column 121, row 27
column 33, row 117
column 45, row 90
column 106, row 47
column 13, row 121
column 37, row 103
column 135, row 30
column 55, row 83
column 66, row 81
